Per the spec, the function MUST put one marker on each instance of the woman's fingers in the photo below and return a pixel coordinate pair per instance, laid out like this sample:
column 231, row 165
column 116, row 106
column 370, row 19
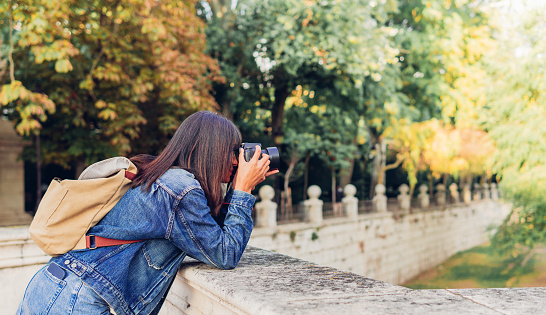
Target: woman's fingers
column 271, row 172
column 241, row 155
column 253, row 172
column 257, row 153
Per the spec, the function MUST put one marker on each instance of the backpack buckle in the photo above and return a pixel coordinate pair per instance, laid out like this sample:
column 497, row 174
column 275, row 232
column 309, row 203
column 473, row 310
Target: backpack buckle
column 90, row 242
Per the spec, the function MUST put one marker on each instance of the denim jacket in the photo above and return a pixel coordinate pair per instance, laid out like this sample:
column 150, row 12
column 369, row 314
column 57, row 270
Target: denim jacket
column 173, row 220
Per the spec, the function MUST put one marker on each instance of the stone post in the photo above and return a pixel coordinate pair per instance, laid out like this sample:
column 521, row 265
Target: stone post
column 486, row 192
column 494, row 191
column 477, row 192
column 423, row 196
column 404, row 199
column 266, row 210
column 313, row 205
column 350, row 202
column 12, row 179
column 380, row 200
column 454, row 192
column 467, row 194
column 441, row 194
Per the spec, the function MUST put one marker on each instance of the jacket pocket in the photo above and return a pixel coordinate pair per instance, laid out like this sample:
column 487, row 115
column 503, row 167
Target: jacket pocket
column 159, row 253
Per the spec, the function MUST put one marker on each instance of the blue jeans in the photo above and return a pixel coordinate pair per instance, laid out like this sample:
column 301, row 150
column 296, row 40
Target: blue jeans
column 54, row 290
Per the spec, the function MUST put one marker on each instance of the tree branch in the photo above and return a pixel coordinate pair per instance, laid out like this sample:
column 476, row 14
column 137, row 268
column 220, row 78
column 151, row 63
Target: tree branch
column 10, row 54
column 394, row 165
column 399, row 160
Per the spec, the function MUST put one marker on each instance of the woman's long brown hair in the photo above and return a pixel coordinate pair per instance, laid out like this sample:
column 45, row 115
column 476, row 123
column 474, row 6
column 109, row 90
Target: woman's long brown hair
column 203, row 145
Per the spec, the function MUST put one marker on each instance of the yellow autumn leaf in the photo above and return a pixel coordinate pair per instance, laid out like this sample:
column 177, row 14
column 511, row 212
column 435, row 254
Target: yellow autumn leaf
column 63, row 66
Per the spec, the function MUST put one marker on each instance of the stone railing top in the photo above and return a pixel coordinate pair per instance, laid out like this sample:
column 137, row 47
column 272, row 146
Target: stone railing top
column 270, row 283
column 14, row 233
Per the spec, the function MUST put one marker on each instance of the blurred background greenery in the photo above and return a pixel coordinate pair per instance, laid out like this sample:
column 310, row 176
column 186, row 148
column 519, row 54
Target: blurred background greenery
column 485, row 267
column 352, row 91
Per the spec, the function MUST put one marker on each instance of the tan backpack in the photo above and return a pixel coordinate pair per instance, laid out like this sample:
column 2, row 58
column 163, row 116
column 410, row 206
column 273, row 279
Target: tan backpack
column 69, row 208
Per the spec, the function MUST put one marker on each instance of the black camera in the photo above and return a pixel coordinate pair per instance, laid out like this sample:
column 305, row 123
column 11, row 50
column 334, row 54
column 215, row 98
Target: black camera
column 273, row 152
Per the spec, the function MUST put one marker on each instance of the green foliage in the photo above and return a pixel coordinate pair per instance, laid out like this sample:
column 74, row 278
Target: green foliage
column 292, row 236
column 515, row 118
column 272, row 47
column 445, row 42
column 482, row 267
column 120, row 75
column 331, row 80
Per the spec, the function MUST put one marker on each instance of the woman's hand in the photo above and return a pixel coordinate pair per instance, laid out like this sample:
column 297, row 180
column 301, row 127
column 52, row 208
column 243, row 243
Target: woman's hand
column 251, row 173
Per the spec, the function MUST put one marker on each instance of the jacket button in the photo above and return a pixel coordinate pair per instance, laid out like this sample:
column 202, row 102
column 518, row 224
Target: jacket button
column 66, row 262
column 73, row 265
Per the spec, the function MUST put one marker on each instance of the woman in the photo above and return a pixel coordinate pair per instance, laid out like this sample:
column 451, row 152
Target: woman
column 176, row 206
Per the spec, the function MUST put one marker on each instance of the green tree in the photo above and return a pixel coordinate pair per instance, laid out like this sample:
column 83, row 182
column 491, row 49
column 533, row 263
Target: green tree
column 267, row 48
column 315, row 129
column 515, row 118
column 120, row 75
column 441, row 45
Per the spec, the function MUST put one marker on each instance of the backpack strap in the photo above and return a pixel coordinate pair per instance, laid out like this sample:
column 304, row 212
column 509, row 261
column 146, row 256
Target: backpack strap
column 93, row 241
column 130, row 176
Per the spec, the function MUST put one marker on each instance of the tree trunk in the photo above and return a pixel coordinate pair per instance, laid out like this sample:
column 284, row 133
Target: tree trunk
column 346, row 175
column 277, row 113
column 333, row 171
column 38, row 172
column 306, row 176
column 287, row 200
column 80, row 167
column 430, row 184
column 379, row 165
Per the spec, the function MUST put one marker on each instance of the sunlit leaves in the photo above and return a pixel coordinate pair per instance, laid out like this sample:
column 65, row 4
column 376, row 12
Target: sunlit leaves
column 11, row 92
column 515, row 116
column 110, row 69
column 32, row 107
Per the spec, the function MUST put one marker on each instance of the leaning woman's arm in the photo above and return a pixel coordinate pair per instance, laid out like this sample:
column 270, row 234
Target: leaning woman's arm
column 196, row 232
column 221, row 216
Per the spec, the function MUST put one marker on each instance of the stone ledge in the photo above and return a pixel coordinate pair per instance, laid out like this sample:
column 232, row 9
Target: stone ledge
column 270, row 283
column 18, row 250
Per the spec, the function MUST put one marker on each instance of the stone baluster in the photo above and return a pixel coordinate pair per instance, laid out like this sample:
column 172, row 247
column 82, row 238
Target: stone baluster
column 486, row 193
column 350, row 202
column 424, row 199
column 266, row 209
column 380, row 200
column 467, row 194
column 313, row 205
column 477, row 192
column 454, row 192
column 494, row 191
column 404, row 199
column 441, row 194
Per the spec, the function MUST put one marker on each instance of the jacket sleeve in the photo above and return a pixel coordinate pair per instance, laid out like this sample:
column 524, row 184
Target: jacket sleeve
column 221, row 216
column 197, row 233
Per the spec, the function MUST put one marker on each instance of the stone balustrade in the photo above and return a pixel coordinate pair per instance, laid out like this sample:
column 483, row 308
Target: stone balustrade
column 373, row 238
column 313, row 210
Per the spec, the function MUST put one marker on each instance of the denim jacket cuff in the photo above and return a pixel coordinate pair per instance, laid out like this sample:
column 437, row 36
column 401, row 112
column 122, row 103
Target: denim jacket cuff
column 241, row 198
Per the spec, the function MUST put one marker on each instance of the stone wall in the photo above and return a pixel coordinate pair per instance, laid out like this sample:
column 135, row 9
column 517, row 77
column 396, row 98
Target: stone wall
column 384, row 245
column 267, row 283
column 20, row 258
column 12, row 186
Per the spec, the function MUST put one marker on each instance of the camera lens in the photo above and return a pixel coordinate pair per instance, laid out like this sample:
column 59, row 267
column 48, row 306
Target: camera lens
column 273, row 157
column 273, row 152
